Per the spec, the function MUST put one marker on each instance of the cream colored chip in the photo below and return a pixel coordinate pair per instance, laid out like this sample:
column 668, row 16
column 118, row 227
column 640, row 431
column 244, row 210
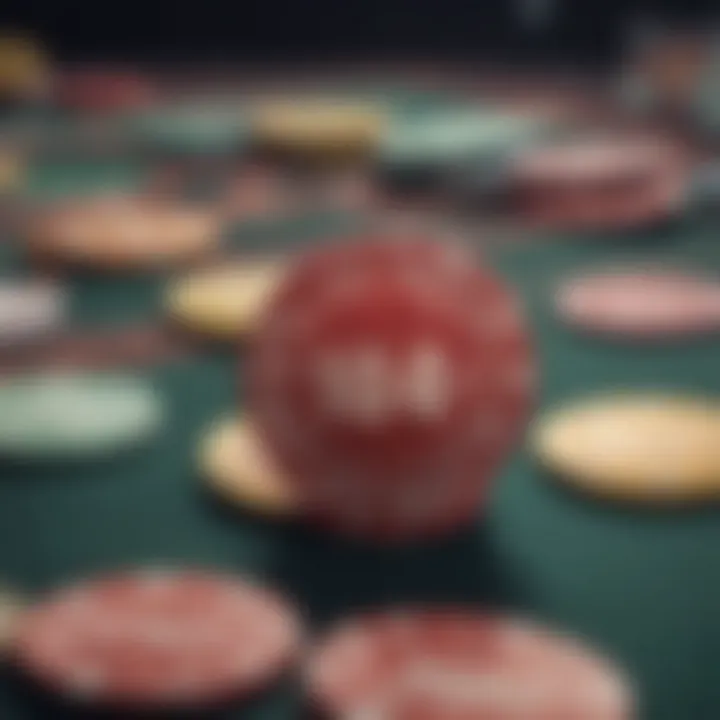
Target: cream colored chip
column 640, row 447
column 318, row 125
column 124, row 232
column 237, row 466
column 24, row 66
column 226, row 301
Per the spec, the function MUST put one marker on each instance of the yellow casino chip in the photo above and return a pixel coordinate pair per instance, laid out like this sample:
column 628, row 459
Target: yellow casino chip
column 641, row 447
column 24, row 66
column 237, row 466
column 318, row 127
column 226, row 302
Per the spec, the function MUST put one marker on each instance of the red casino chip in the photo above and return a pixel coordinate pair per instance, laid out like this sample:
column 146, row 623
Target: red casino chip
column 99, row 91
column 391, row 378
column 601, row 183
column 158, row 640
column 451, row 665
column 641, row 303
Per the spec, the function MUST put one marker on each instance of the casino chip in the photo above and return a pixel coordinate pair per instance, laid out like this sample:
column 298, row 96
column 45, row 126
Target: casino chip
column 24, row 68
column 650, row 303
column 122, row 232
column 601, row 183
column 391, row 377
column 446, row 136
column 450, row 664
column 226, row 301
column 56, row 415
column 640, row 447
column 238, row 467
column 30, row 309
column 424, row 149
column 157, row 640
column 191, row 130
column 103, row 91
column 317, row 128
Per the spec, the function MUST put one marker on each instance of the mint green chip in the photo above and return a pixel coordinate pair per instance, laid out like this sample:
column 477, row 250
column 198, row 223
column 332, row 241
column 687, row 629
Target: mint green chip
column 452, row 136
column 76, row 414
column 200, row 129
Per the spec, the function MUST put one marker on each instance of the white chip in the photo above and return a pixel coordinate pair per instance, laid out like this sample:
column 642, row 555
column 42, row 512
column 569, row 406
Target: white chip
column 30, row 309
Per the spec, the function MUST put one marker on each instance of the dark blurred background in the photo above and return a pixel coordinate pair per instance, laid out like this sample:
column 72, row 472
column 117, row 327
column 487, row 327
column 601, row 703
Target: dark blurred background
column 563, row 31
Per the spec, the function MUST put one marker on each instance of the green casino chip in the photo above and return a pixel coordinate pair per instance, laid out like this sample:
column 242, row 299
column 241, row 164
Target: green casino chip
column 192, row 129
column 445, row 138
column 75, row 415
column 406, row 104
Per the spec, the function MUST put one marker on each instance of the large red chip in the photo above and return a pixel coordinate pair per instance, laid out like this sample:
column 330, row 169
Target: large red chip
column 152, row 640
column 103, row 91
column 642, row 303
column 391, row 378
column 453, row 665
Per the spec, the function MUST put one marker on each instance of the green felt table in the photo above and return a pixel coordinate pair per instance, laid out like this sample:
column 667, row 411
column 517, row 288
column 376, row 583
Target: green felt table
column 643, row 586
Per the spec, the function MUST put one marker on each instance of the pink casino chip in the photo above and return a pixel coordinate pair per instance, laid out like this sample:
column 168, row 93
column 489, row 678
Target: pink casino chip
column 158, row 640
column 448, row 664
column 601, row 183
column 391, row 378
column 104, row 91
column 642, row 303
